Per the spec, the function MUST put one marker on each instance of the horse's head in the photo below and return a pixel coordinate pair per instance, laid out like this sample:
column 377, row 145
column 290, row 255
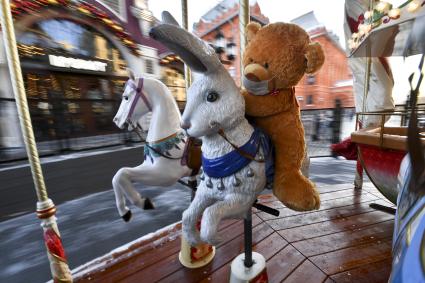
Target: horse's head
column 134, row 104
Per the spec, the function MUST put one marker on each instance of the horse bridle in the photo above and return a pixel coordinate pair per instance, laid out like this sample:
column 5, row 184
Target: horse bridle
column 139, row 94
column 136, row 128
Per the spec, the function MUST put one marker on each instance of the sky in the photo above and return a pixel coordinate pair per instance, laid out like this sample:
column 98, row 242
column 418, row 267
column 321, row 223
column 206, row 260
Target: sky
column 329, row 12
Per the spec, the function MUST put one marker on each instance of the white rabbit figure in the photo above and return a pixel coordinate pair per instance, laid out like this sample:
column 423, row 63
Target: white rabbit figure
column 214, row 103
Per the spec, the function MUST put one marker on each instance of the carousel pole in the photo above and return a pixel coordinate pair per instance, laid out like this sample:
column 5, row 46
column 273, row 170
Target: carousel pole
column 45, row 208
column 249, row 266
column 202, row 254
column 243, row 22
column 187, row 74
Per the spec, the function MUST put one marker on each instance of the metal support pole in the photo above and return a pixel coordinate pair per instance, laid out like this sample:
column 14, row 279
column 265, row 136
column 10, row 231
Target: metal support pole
column 187, row 74
column 45, row 208
column 243, row 21
column 248, row 239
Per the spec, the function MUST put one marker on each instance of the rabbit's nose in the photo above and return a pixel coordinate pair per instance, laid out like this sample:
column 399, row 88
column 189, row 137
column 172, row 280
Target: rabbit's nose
column 185, row 125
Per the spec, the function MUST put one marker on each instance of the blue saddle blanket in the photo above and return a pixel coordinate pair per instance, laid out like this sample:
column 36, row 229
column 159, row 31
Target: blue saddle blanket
column 232, row 162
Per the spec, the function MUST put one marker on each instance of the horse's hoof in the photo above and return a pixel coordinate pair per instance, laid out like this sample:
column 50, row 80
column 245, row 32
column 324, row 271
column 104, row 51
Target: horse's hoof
column 148, row 204
column 127, row 216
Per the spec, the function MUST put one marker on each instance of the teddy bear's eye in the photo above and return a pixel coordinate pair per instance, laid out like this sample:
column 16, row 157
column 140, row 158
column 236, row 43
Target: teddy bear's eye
column 266, row 65
column 250, row 60
column 212, row 96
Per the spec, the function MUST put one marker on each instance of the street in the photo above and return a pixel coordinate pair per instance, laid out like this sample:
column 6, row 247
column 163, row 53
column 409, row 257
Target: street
column 90, row 226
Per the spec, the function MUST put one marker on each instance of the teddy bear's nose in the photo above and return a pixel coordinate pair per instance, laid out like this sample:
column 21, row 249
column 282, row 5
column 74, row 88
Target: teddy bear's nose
column 252, row 77
column 255, row 72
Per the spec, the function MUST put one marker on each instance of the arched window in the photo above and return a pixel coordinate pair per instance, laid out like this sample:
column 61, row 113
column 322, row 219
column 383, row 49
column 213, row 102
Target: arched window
column 67, row 38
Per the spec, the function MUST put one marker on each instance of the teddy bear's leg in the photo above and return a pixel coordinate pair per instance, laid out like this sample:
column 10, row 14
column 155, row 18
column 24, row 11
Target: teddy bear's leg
column 295, row 191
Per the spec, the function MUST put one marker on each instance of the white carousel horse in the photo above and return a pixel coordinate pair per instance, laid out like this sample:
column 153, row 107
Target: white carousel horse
column 233, row 159
column 165, row 142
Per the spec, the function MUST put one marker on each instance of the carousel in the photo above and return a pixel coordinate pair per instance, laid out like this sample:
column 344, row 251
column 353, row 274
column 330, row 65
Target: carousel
column 232, row 231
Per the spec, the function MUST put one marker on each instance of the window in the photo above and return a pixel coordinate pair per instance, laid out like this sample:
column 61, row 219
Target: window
column 311, row 79
column 149, row 66
column 310, row 99
column 232, row 71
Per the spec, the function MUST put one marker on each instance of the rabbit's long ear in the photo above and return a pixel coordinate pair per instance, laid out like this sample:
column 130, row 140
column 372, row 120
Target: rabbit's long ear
column 167, row 18
column 198, row 55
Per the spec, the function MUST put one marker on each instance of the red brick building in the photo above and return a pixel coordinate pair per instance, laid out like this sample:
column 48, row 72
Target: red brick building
column 334, row 80
column 332, row 84
column 220, row 26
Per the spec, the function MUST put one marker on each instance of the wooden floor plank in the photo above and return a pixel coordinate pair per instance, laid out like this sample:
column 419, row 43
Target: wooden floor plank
column 338, row 194
column 353, row 257
column 334, row 188
column 268, row 248
column 320, row 216
column 329, row 204
column 345, row 239
column 307, row 272
column 283, row 263
column 134, row 264
column 377, row 272
column 224, row 255
column 334, row 226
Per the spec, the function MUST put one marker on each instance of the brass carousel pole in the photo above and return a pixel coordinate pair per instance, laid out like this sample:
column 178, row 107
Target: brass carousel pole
column 243, row 22
column 45, row 208
column 202, row 254
column 187, row 74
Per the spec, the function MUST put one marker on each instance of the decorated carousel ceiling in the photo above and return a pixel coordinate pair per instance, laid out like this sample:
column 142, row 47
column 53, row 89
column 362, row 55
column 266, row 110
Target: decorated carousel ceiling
column 383, row 14
column 21, row 8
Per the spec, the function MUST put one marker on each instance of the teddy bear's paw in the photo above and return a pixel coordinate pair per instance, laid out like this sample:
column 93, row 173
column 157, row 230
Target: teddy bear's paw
column 301, row 196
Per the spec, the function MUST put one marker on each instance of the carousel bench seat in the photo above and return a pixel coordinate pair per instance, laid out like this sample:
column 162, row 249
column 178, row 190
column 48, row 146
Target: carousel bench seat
column 390, row 138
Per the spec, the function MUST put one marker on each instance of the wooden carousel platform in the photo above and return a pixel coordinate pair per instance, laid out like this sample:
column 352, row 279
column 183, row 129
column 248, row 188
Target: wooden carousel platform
column 344, row 241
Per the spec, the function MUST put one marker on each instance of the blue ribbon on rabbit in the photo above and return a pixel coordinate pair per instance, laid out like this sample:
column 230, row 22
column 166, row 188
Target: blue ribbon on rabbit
column 233, row 161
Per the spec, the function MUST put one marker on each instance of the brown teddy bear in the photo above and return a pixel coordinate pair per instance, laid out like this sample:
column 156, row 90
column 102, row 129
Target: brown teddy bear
column 275, row 59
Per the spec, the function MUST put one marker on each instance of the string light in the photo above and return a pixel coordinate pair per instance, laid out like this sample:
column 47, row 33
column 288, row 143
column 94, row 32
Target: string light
column 383, row 12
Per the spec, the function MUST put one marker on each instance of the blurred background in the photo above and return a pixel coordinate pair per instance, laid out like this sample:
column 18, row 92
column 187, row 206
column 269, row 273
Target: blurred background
column 74, row 56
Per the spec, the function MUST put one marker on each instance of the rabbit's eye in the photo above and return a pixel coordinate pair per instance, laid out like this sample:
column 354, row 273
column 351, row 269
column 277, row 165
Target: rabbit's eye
column 212, row 96
column 126, row 97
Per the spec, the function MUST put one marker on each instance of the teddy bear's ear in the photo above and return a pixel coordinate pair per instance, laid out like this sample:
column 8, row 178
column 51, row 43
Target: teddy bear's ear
column 251, row 29
column 315, row 57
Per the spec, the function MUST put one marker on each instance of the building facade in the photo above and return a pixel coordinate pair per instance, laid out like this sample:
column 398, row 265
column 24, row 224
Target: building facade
column 332, row 85
column 220, row 27
column 329, row 87
column 74, row 56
